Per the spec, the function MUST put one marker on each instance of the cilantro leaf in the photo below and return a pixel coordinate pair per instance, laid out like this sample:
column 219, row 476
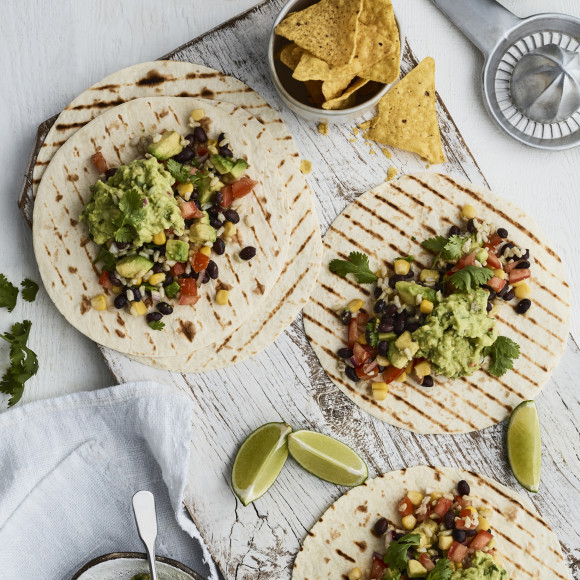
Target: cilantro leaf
column 446, row 248
column 24, row 363
column 502, row 352
column 442, row 570
column 132, row 214
column 357, row 264
column 108, row 259
column 124, row 234
column 396, row 554
column 8, row 293
column 435, row 245
column 181, row 173
column 409, row 259
column 470, row 277
column 156, row 324
column 29, row 290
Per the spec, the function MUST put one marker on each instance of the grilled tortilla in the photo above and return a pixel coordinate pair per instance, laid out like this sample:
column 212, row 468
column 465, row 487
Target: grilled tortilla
column 392, row 220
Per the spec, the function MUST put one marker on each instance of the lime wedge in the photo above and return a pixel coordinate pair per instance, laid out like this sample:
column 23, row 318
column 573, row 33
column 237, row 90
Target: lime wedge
column 260, row 459
column 524, row 445
column 327, row 458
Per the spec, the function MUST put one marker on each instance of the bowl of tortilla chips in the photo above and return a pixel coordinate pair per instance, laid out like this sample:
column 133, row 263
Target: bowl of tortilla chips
column 333, row 60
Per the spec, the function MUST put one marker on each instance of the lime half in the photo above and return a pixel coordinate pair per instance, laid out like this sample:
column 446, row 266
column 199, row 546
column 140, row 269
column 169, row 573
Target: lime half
column 260, row 459
column 524, row 445
column 327, row 458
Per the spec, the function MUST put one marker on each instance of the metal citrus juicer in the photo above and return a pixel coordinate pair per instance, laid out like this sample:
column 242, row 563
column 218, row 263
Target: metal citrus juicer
column 531, row 74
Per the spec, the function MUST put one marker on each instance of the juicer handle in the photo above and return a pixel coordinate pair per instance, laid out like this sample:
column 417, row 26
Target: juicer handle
column 484, row 22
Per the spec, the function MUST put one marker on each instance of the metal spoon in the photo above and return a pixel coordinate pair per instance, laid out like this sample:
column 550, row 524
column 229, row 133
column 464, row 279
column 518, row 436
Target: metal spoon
column 146, row 519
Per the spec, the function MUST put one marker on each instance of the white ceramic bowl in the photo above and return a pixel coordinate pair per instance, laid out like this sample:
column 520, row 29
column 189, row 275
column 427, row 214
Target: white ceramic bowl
column 298, row 100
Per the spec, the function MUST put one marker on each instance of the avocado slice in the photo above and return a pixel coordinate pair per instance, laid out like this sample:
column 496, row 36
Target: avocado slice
column 201, row 233
column 405, row 341
column 134, row 266
column 222, row 164
column 172, row 290
column 204, row 219
column 239, row 168
column 415, row 569
column 428, row 532
column 204, row 191
column 408, row 291
column 396, row 357
column 168, row 146
column 177, row 250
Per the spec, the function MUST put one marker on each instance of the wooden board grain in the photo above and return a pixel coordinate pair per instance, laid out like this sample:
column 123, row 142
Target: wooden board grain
column 285, row 382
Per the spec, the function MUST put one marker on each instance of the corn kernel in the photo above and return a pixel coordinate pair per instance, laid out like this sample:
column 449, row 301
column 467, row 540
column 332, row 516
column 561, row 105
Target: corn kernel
column 423, row 369
column 222, row 297
column 229, row 230
column 355, row 305
column 138, row 282
column 445, row 542
column 483, row 524
column 499, row 273
column 523, row 291
column 402, row 267
column 212, row 143
column 409, row 522
column 491, row 543
column 138, row 308
column 362, row 339
column 157, row 279
column 205, row 250
column 117, row 289
column 402, row 378
column 197, row 115
column 383, row 361
column 184, row 188
column 427, row 274
column 471, row 509
column 468, row 212
column 426, row 306
column 159, row 239
column 416, row 497
column 409, row 368
column 380, row 391
column 355, row 574
column 99, row 302
column 436, row 495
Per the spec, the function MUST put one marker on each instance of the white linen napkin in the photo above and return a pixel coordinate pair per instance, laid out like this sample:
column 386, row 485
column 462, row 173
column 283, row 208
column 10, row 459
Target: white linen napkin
column 68, row 470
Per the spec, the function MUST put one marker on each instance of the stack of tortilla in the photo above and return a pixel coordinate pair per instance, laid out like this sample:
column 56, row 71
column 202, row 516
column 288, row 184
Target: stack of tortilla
column 147, row 99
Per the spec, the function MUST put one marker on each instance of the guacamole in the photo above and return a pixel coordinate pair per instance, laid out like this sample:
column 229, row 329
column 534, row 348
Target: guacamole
column 456, row 332
column 145, row 178
column 483, row 567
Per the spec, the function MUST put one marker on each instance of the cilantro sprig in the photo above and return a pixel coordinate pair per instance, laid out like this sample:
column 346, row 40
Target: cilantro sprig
column 156, row 324
column 107, row 258
column 447, row 248
column 409, row 259
column 470, row 277
column 182, row 172
column 502, row 354
column 8, row 293
column 442, row 570
column 357, row 264
column 29, row 290
column 396, row 554
column 23, row 362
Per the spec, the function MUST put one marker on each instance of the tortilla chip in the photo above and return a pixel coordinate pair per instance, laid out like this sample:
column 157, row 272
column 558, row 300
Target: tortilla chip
column 314, row 90
column 291, row 54
column 326, row 29
column 347, row 98
column 407, row 118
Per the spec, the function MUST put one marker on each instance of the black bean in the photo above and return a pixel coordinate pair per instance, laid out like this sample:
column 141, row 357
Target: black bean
column 449, row 520
column 510, row 295
column 221, row 137
column 120, row 301
column 379, row 306
column 248, row 253
column 387, row 324
column 185, row 155
column 383, row 348
column 502, row 233
column 351, row 374
column 470, row 533
column 410, row 274
column 463, row 488
column 114, row 279
column 110, row 172
column 413, row 326
column 136, row 294
column 380, row 526
column 399, row 535
column 400, row 324
column 523, row 265
column 344, row 352
column 200, row 135
column 197, row 204
column 381, row 368
column 168, row 281
column 390, row 310
column 377, row 292
column 490, row 290
column 164, row 308
column 523, row 306
column 157, row 268
column 345, row 316
column 206, row 278
column 394, row 279
column 215, row 223
column 217, row 198
column 232, row 216
column 191, row 139
column 505, row 247
column 427, row 381
column 471, row 227
column 219, row 247
column 454, row 231
column 121, row 245
column 459, row 535
column 503, row 291
column 225, row 151
column 212, row 269
column 526, row 255
column 153, row 316
column 489, row 306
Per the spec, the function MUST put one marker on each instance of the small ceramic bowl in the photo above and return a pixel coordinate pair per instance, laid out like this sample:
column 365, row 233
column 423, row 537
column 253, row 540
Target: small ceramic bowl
column 293, row 92
column 124, row 565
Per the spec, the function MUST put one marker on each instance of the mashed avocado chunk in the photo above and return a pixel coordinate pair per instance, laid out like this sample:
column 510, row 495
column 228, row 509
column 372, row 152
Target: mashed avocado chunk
column 483, row 567
column 456, row 332
column 149, row 206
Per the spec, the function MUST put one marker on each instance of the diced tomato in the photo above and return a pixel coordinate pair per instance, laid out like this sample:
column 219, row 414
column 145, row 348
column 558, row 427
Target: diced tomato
column 104, row 280
column 366, row 376
column 480, row 541
column 392, row 373
column 378, row 568
column 460, row 500
column 493, row 242
column 457, row 552
column 428, row 564
column 511, row 265
column 352, row 333
column 187, row 286
column 200, row 262
column 465, row 521
column 187, row 300
column 442, row 506
column 518, row 275
column 201, row 150
column 360, row 354
column 228, row 196
column 362, row 319
column 466, row 260
column 190, row 211
column 496, row 283
column 493, row 261
column 421, row 517
column 99, row 162
column 177, row 270
column 242, row 187
column 405, row 507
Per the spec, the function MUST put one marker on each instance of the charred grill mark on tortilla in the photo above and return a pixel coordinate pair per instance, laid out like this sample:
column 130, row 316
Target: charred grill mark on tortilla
column 97, row 104
column 120, row 321
column 222, row 345
column 267, row 215
column 174, row 115
column 187, row 329
column 67, row 126
column 345, row 556
column 119, row 333
column 551, row 293
column 548, row 311
column 232, row 268
column 85, row 304
column 152, row 78
column 517, row 330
